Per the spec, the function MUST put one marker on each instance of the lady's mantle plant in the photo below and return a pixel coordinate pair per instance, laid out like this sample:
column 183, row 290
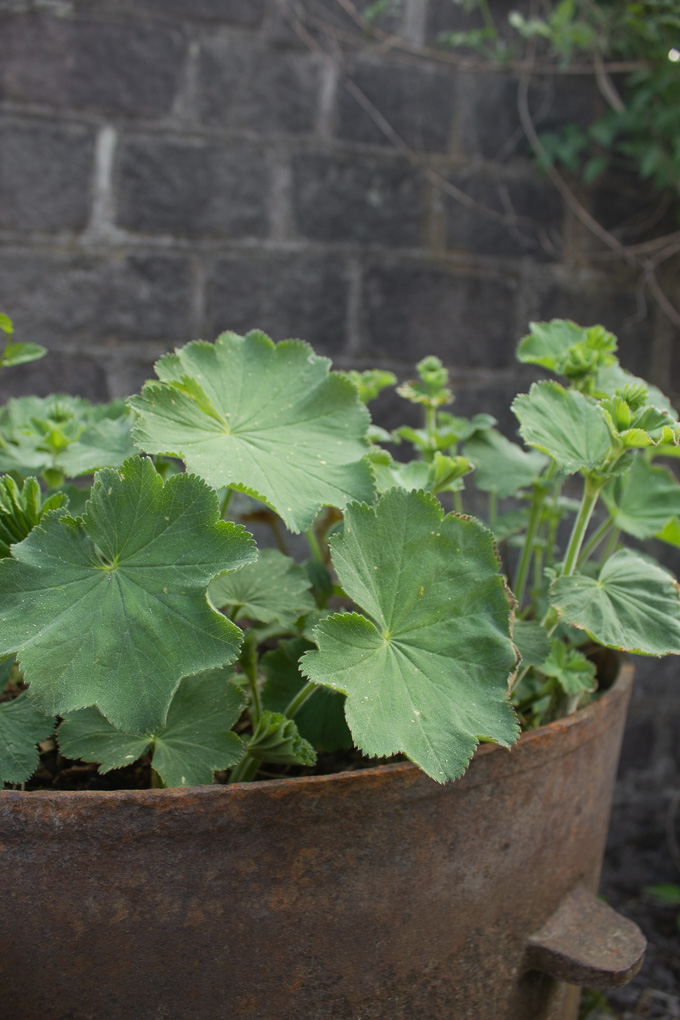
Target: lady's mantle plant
column 144, row 628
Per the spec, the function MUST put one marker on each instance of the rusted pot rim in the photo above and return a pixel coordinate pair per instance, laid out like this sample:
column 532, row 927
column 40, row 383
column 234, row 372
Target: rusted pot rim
column 491, row 763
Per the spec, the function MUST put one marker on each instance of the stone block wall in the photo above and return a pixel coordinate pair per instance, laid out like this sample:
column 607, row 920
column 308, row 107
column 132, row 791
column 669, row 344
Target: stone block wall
column 173, row 168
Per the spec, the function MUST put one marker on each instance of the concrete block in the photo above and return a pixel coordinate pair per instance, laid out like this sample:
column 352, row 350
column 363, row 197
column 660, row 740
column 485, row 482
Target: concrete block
column 91, row 301
column 192, row 190
column 81, row 375
column 410, row 310
column 529, row 199
column 130, row 69
column 346, row 198
column 417, row 102
column 243, row 86
column 45, row 175
column 589, row 299
column 286, row 294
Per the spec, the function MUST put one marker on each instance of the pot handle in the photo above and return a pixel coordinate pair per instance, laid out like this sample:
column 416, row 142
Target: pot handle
column 586, row 943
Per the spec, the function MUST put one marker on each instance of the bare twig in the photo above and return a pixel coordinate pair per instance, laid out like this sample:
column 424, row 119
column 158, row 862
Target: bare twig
column 644, row 257
column 510, row 219
column 391, row 41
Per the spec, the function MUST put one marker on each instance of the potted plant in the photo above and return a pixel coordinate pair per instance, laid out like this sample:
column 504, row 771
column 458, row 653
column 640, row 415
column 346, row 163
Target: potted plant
column 143, row 634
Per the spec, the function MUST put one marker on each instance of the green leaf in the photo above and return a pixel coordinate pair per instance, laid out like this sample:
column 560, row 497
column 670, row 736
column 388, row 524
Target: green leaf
column 21, row 509
column 671, row 532
column 643, row 501
column 633, row 605
column 501, row 466
column 105, row 443
column 442, row 474
column 111, row 609
column 273, row 588
column 509, row 524
column 321, row 720
column 19, row 354
column 21, row 728
column 262, row 418
column 6, row 324
column 38, row 432
column 564, row 424
column 431, row 388
column 431, row 587
column 194, row 742
column 666, row 892
column 276, row 739
column 574, row 673
column 567, row 349
column 611, row 378
column 371, row 382
column 532, row 641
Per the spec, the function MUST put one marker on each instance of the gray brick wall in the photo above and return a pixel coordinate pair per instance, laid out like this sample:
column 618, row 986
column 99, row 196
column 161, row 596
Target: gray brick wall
column 172, row 168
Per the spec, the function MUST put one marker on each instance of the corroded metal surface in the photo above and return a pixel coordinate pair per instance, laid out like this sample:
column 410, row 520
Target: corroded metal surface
column 375, row 895
column 587, row 943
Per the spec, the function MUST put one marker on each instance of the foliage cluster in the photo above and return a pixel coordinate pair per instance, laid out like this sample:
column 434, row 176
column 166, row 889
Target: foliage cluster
column 138, row 620
column 640, row 129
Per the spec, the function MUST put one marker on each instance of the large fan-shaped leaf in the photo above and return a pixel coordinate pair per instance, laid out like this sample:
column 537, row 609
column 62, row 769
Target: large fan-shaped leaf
column 643, row 500
column 195, row 741
column 428, row 673
column 111, row 610
column 633, row 605
column 263, row 418
column 565, row 424
column 275, row 588
column 21, row 727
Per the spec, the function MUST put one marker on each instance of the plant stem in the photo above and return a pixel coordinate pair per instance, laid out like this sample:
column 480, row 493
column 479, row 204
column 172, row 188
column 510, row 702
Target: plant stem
column 489, row 22
column 278, row 537
column 248, row 660
column 300, row 698
column 528, row 549
column 591, row 491
column 458, row 501
column 225, row 502
column 245, row 770
column 314, row 546
column 431, row 427
column 493, row 509
column 611, row 545
column 594, row 540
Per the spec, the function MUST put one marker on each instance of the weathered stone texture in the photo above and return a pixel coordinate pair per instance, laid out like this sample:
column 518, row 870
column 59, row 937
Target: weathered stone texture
column 129, row 69
column 285, row 294
column 532, row 209
column 45, row 175
column 89, row 301
column 82, row 375
column 414, row 310
column 337, row 198
column 417, row 102
column 590, row 298
column 192, row 189
column 245, row 13
column 244, row 86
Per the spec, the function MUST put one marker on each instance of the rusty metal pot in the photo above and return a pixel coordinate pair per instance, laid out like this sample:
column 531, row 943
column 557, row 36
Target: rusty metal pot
column 373, row 895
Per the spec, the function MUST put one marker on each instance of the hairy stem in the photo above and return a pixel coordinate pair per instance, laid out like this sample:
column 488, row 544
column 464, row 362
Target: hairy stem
column 299, row 700
column 594, row 540
column 535, row 515
column 591, row 492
